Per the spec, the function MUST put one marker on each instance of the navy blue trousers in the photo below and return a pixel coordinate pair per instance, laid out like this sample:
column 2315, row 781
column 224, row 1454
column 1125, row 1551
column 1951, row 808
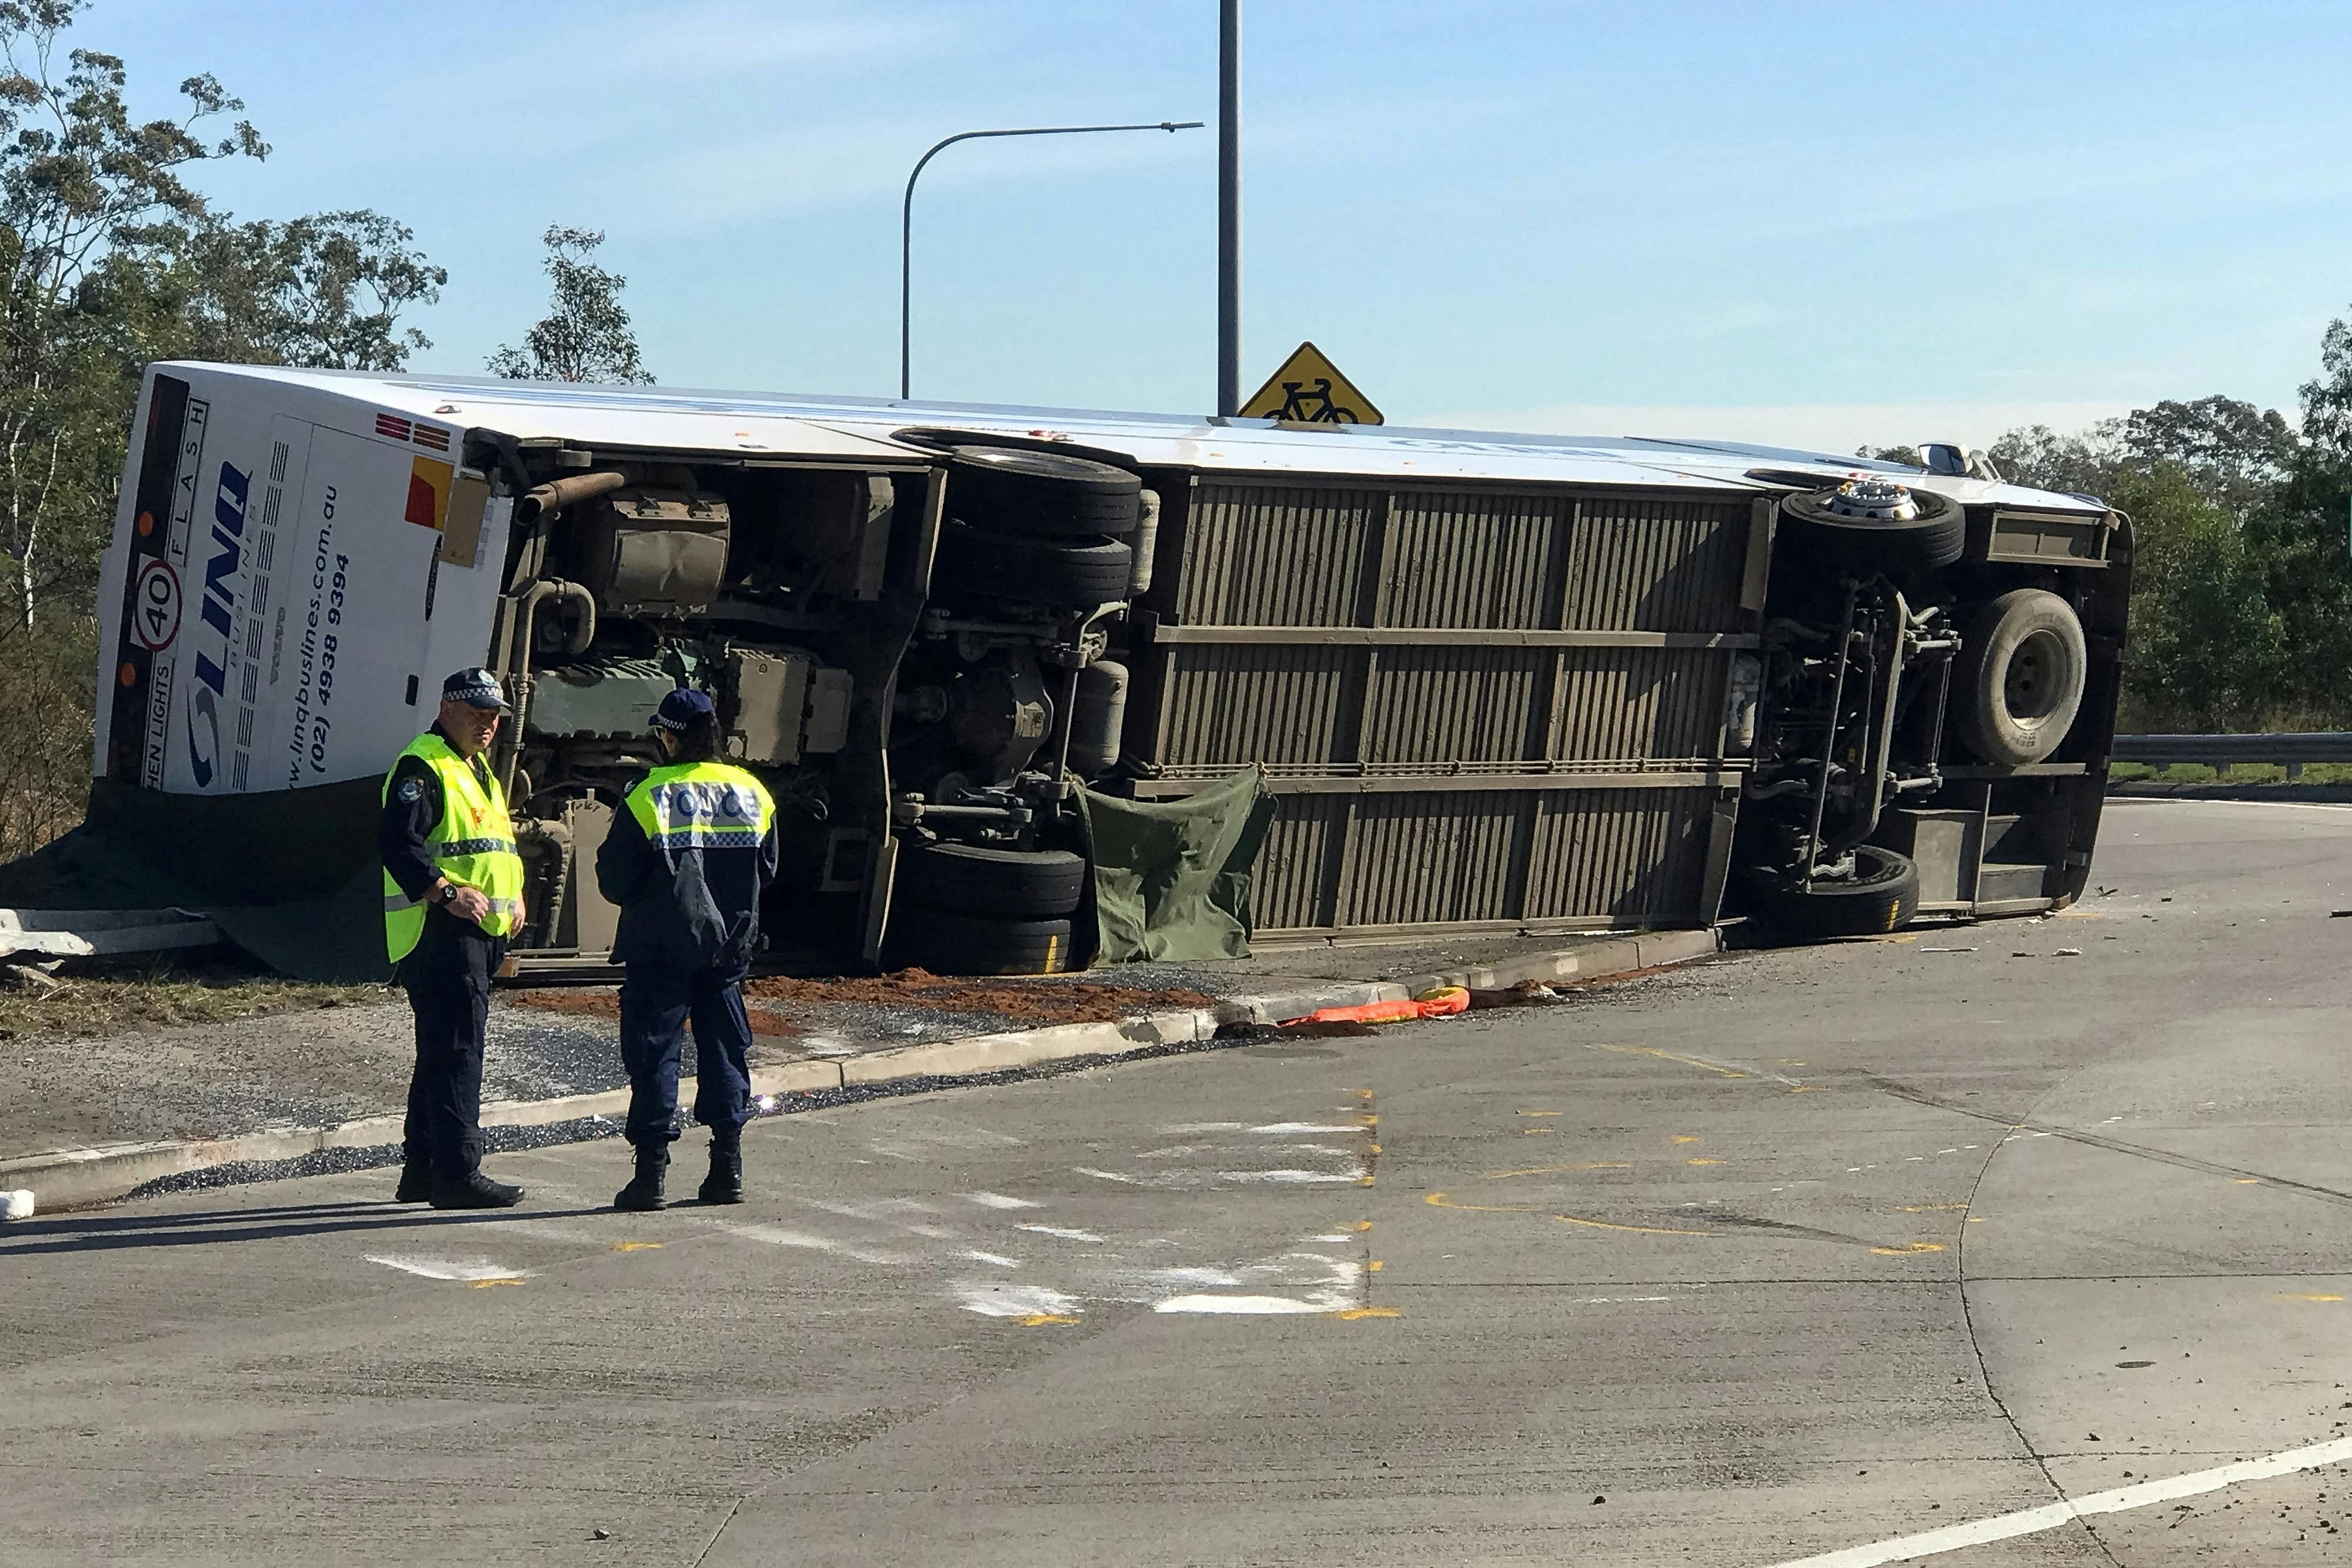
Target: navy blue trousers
column 448, row 981
column 656, row 1003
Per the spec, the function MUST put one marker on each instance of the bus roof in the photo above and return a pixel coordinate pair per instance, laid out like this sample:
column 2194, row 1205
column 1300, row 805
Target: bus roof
column 804, row 425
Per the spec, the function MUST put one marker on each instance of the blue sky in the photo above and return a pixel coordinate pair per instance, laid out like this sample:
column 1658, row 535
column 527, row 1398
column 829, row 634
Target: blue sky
column 1811, row 222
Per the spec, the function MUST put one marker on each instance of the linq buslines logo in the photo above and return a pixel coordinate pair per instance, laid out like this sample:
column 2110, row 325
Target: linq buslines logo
column 219, row 600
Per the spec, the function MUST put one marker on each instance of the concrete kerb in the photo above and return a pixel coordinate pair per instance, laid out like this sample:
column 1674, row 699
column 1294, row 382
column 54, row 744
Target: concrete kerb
column 71, row 1178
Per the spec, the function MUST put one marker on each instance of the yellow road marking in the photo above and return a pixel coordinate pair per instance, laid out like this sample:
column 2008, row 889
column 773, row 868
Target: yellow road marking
column 1807, row 1088
column 1363, row 1181
column 1637, row 1229
column 2309, row 1296
column 1668, row 1056
column 1369, row 1120
column 1539, row 1113
column 1439, row 1201
column 1532, row 1132
column 1908, row 1246
column 1358, row 1224
column 1375, row 1148
column 1040, row 1320
column 487, row 1284
column 1352, row 1313
column 1553, row 1170
column 636, row 1246
column 1702, row 1162
column 1926, row 1208
column 1373, row 1267
column 1685, row 1138
column 2248, row 1181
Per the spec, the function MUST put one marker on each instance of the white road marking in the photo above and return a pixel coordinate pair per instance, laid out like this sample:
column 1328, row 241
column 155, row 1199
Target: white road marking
column 997, row 1258
column 1015, row 1300
column 1282, row 1176
column 2049, row 1516
column 1190, row 1128
column 1243, row 1304
column 776, row 1235
column 1277, row 1127
column 1196, row 1279
column 1108, row 1175
column 1060, row 1232
column 449, row 1268
column 998, row 1201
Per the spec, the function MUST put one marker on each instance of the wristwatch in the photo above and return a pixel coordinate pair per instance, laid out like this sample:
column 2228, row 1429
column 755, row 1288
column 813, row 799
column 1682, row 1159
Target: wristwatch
column 448, row 893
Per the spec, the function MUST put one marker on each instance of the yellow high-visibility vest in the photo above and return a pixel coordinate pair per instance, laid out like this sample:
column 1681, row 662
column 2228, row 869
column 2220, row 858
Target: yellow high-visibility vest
column 708, row 805
column 473, row 844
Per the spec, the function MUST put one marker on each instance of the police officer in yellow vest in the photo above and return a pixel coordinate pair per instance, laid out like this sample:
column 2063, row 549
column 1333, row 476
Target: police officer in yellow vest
column 452, row 896
column 687, row 859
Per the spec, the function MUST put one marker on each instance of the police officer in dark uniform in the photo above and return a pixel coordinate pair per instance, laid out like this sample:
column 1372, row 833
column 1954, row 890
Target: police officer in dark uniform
column 689, row 854
column 452, row 896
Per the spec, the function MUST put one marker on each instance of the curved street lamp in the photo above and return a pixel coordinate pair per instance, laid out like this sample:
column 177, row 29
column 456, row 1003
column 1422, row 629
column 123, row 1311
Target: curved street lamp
column 907, row 215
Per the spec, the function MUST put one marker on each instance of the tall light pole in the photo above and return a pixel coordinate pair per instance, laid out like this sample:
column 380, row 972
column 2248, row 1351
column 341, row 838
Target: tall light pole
column 906, row 219
column 1228, row 209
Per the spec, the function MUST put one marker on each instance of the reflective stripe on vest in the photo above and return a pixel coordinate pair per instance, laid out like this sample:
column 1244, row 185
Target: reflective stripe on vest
column 702, row 805
column 473, row 844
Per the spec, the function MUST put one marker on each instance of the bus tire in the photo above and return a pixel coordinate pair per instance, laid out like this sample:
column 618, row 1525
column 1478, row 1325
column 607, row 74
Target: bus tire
column 1882, row 897
column 1014, row 491
column 1842, row 547
column 982, row 879
column 1023, row 569
column 2023, row 666
column 964, row 944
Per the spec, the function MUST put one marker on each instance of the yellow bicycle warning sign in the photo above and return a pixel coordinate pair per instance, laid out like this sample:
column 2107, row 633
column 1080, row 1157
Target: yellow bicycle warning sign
column 1309, row 389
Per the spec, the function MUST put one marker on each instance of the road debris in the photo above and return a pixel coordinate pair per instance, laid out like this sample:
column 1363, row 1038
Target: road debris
column 1444, row 1001
column 1525, row 994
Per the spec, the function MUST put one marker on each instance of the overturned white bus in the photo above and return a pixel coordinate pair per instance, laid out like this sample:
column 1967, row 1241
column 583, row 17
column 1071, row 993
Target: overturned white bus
column 1491, row 682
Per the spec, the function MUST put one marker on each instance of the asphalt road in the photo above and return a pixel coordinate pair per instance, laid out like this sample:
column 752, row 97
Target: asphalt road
column 1789, row 1256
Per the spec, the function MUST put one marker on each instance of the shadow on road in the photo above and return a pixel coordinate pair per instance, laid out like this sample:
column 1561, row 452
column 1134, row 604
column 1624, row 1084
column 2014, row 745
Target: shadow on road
column 207, row 1227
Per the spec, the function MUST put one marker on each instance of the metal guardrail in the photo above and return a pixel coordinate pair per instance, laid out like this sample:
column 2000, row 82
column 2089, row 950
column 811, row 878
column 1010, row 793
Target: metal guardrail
column 2222, row 752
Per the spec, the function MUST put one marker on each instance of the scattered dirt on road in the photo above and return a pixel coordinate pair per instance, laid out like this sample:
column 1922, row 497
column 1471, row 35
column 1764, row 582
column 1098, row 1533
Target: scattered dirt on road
column 770, row 1000
column 604, row 1002
column 1039, row 1001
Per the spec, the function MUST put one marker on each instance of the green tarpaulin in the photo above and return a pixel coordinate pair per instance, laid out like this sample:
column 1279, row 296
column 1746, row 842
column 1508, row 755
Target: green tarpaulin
column 1172, row 878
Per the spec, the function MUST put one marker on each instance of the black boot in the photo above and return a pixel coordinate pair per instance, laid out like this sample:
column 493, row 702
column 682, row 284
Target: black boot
column 415, row 1183
column 475, row 1191
column 725, row 1183
column 645, row 1189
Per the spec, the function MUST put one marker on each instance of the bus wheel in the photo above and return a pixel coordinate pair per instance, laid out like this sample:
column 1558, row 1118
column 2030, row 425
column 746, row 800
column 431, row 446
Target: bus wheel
column 967, row 944
column 2022, row 667
column 982, row 879
column 1041, row 492
column 1021, row 569
column 1882, row 895
column 1868, row 527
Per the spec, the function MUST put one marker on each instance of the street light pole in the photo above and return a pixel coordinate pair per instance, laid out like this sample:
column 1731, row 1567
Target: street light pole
column 906, row 219
column 1228, row 209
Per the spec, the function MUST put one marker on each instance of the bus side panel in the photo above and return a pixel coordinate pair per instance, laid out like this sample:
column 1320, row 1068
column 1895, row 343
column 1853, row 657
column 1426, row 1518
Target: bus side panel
column 283, row 604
